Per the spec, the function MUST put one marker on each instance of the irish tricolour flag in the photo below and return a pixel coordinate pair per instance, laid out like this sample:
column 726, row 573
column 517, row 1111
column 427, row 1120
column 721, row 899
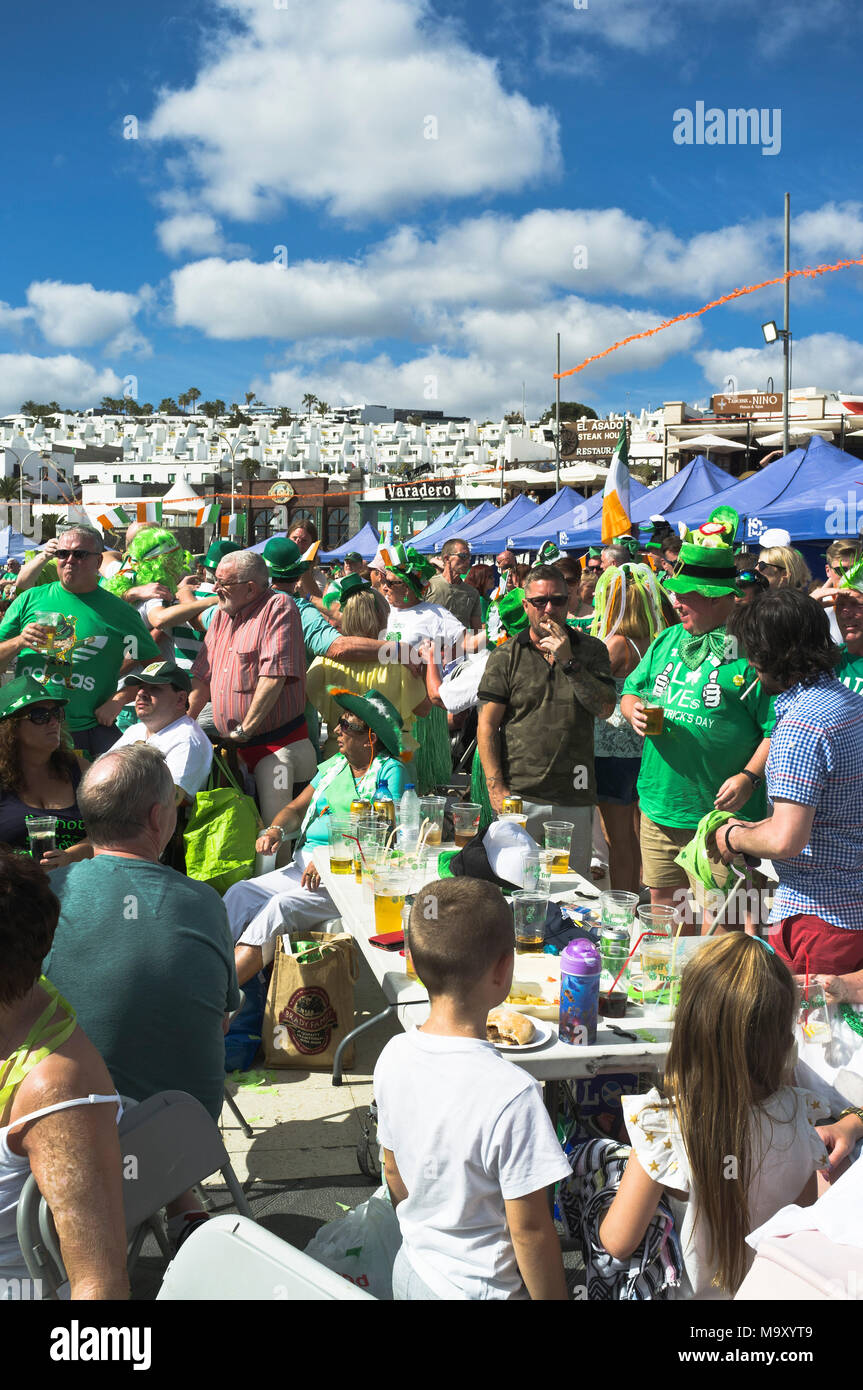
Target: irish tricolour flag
column 149, row 511
column 616, row 519
column 208, row 516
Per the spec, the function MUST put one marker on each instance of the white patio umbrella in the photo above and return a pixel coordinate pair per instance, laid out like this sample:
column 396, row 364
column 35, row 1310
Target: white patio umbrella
column 772, row 441
column 708, row 442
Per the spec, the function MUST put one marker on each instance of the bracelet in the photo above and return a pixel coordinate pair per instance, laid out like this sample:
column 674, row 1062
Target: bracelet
column 851, row 1110
column 728, row 843
column 274, row 828
column 754, row 779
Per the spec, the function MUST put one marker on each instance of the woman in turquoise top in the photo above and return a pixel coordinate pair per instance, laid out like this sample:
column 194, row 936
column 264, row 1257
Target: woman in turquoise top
column 368, row 765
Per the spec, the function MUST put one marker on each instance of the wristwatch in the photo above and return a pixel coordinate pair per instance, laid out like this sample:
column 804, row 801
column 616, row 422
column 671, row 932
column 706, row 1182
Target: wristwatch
column 755, row 780
column 237, row 732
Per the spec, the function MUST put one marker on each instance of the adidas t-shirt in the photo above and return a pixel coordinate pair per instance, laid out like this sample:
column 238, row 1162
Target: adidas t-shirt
column 107, row 631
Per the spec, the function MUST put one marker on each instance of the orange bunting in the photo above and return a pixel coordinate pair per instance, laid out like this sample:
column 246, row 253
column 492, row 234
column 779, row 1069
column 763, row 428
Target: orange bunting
column 808, row 271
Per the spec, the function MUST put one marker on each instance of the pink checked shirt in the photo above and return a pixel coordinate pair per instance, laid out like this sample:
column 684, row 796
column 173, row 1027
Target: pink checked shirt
column 263, row 639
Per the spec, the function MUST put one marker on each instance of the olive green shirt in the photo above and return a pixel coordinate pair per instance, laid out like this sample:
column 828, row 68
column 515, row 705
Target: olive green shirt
column 547, row 735
column 462, row 600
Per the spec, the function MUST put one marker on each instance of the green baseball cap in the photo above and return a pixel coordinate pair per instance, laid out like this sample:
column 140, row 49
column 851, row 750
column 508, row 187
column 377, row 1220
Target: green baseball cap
column 161, row 673
column 24, row 691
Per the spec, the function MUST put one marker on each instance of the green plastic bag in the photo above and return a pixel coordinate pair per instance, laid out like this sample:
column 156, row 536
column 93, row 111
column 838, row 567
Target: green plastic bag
column 221, row 832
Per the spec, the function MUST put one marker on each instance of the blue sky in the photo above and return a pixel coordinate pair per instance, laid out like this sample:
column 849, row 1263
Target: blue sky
column 402, row 203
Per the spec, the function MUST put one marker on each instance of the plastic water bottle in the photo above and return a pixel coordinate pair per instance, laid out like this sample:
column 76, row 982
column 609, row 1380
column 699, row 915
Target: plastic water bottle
column 409, row 818
column 580, row 966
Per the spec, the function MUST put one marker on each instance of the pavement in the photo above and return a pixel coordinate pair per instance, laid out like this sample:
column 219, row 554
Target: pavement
column 300, row 1168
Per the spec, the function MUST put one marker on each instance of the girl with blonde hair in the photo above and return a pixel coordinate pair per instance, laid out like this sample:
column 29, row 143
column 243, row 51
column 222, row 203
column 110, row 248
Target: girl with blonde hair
column 725, row 1137
column 783, row 568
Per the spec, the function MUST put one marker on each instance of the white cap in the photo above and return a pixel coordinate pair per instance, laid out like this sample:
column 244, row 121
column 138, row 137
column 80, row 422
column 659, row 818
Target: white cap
column 774, row 535
column 506, row 842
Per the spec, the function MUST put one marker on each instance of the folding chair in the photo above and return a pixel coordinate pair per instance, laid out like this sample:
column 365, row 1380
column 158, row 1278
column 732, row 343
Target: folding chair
column 169, row 1144
column 233, row 1259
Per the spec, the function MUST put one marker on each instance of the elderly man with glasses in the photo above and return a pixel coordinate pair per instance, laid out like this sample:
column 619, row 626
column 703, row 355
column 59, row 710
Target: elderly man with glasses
column 77, row 639
column 539, row 696
column 449, row 590
column 253, row 668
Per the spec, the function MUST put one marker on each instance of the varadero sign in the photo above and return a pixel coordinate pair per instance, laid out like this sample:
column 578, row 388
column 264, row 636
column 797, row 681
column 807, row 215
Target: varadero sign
column 429, row 491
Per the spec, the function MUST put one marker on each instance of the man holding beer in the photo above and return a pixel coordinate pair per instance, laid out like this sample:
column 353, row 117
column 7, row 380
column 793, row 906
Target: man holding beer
column 538, row 697
column 705, row 717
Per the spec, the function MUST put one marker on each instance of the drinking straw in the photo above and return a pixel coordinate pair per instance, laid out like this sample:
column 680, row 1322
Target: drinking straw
column 355, row 840
column 628, row 959
column 424, row 829
column 390, row 838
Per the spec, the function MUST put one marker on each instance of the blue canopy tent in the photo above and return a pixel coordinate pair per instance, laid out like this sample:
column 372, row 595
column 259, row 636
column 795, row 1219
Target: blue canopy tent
column 13, row 545
column 832, row 509
column 517, row 513
column 440, row 523
column 432, row 544
column 365, row 542
column 781, row 482
column 569, row 522
column 502, row 531
column 698, row 481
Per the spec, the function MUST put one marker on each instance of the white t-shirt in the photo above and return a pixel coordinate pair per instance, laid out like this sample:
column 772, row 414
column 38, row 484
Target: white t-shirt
column 188, row 752
column 785, row 1147
column 424, row 620
column 469, row 1131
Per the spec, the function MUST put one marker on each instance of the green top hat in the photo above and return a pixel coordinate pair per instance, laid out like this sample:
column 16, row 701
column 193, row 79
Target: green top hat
column 161, row 673
column 374, row 709
column 217, row 551
column 702, row 569
column 342, row 589
column 24, row 691
column 510, row 608
column 283, row 559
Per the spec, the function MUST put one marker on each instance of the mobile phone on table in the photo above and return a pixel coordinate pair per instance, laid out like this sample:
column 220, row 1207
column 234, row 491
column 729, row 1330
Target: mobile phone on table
column 389, row 940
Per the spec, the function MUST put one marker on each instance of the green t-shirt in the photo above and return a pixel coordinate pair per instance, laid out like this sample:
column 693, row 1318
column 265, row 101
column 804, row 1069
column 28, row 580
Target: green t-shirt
column 145, row 957
column 850, row 671
column 107, row 632
column 708, row 734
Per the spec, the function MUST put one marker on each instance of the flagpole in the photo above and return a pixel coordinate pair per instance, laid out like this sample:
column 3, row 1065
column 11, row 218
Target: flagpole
column 557, row 422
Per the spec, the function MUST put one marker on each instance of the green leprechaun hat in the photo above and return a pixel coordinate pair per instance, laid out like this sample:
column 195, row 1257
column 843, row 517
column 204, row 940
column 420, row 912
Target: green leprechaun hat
column 284, row 560
column 24, row 691
column 342, row 589
column 703, row 569
column 375, row 710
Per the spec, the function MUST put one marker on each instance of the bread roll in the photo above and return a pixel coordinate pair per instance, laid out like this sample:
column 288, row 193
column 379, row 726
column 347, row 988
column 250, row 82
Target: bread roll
column 509, row 1027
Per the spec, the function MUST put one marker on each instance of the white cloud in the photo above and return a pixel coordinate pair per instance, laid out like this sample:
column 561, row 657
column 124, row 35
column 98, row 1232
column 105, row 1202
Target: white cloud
column 79, row 315
column 195, row 233
column 836, row 229
column 828, row 360
column 67, row 379
column 13, row 318
column 362, row 108
column 416, row 286
column 498, row 350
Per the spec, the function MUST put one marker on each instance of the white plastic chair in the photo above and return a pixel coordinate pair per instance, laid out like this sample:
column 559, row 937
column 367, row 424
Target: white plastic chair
column 231, row 1258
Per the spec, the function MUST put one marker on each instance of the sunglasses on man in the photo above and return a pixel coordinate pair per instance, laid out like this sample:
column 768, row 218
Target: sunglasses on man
column 64, row 555
column 548, row 600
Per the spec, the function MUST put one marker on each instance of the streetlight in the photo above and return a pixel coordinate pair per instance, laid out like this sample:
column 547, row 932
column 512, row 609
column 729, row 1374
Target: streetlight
column 771, row 335
column 232, row 448
column 21, row 462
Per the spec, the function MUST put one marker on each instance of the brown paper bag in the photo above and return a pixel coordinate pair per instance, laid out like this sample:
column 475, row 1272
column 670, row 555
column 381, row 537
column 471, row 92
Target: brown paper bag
column 310, row 1006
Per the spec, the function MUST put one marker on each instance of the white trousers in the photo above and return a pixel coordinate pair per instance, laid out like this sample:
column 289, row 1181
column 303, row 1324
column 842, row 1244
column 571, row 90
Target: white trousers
column 582, row 819
column 260, row 909
column 276, row 774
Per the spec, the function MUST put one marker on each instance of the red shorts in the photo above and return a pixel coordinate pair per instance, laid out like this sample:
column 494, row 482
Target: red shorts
column 830, row 950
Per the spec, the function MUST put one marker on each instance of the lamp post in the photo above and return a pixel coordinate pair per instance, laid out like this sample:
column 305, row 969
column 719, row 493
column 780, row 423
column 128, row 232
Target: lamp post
column 771, row 332
column 232, row 448
column 21, row 462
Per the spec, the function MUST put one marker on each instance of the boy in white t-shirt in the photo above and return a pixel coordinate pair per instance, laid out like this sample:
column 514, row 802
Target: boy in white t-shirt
column 469, row 1149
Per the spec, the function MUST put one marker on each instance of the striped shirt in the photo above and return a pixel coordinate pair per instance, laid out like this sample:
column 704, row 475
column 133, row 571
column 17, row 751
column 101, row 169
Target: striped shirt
column 264, row 639
column 816, row 759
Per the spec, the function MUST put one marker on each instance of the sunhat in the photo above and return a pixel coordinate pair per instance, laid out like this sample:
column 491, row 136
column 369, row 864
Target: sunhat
column 24, row 691
column 373, row 709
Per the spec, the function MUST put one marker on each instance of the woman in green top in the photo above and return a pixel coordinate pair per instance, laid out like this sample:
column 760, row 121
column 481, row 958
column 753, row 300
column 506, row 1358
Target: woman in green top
column 849, row 616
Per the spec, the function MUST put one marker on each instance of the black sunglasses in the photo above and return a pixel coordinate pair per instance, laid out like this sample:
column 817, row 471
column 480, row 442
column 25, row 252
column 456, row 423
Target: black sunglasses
column 544, row 600
column 43, row 714
column 64, row 555
column 349, row 728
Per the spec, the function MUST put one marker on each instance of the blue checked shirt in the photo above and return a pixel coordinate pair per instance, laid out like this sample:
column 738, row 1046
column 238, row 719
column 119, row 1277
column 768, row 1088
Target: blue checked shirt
column 816, row 759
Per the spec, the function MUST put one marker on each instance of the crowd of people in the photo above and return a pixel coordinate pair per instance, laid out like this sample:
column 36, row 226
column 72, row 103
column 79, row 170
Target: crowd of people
column 126, row 666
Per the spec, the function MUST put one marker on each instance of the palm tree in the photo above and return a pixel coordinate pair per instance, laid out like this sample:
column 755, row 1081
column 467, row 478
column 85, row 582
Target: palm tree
column 10, row 491
column 309, row 400
column 284, row 416
column 323, row 407
column 194, row 395
column 183, row 401
column 168, row 406
column 250, row 397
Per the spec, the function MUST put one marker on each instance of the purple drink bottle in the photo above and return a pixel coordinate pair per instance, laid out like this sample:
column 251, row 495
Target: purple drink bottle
column 580, row 966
